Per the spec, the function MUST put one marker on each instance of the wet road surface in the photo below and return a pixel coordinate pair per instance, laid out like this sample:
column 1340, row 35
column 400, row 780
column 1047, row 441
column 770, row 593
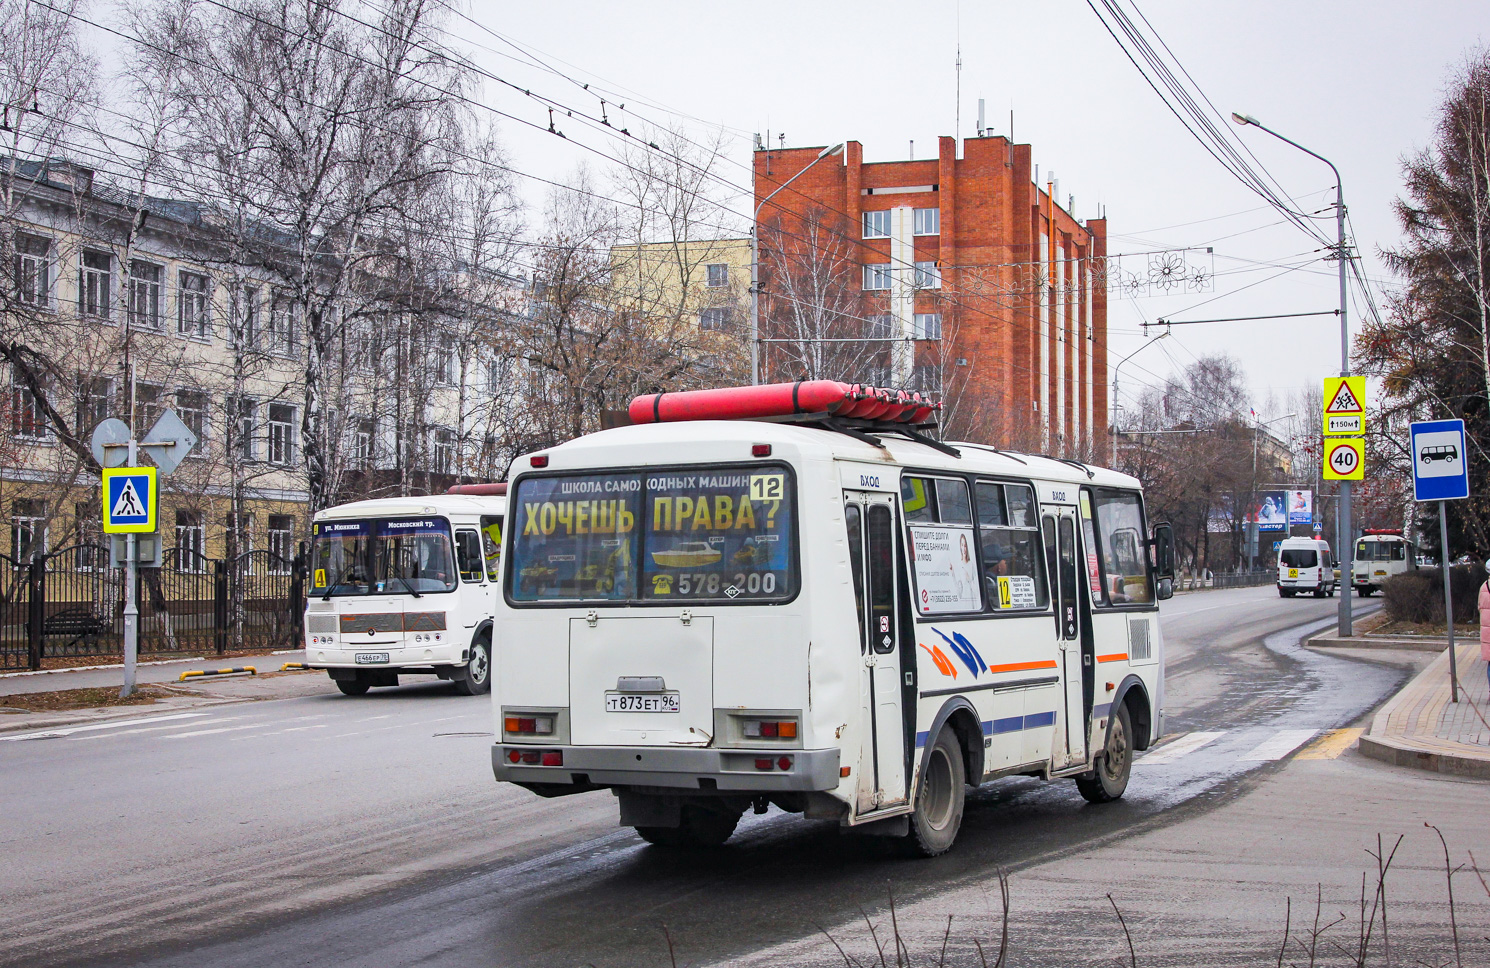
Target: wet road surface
column 555, row 883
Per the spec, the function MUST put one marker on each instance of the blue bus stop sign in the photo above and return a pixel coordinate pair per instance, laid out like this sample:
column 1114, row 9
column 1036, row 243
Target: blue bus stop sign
column 1440, row 469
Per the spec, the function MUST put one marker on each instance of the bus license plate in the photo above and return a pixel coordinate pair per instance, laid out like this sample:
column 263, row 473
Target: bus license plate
column 371, row 658
column 654, row 702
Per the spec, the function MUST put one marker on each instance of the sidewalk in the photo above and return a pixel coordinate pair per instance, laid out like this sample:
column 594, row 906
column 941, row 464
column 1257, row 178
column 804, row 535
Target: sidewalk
column 1421, row 728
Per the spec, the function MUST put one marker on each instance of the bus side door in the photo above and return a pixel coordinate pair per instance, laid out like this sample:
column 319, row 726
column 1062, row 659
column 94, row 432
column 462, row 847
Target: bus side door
column 1059, row 530
column 873, row 535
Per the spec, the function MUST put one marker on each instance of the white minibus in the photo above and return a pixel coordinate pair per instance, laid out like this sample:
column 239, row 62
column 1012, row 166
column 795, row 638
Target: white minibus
column 1306, row 565
column 836, row 615
column 1379, row 554
column 405, row 586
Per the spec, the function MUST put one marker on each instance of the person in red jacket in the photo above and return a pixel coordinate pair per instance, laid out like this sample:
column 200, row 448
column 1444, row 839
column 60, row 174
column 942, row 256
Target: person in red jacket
column 1485, row 622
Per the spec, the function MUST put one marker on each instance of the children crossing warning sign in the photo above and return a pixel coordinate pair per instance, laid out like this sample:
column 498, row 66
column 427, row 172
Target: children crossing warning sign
column 1345, row 406
column 129, row 500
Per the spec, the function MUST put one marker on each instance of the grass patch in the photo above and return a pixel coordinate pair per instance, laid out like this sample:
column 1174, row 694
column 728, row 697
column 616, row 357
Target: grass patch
column 1427, row 630
column 100, row 697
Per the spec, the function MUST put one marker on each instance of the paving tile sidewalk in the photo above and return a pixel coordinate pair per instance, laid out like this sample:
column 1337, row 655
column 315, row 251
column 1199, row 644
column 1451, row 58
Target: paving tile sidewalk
column 1420, row 727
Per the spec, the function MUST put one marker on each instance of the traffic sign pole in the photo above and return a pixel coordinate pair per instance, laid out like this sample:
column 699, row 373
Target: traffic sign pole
column 1448, row 598
column 131, row 607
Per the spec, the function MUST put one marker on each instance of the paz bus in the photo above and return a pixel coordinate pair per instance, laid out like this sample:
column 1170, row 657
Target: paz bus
column 405, row 586
column 1380, row 553
column 793, row 595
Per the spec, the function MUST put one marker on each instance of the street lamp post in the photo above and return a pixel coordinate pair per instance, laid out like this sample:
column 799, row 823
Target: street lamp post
column 1115, row 370
column 1344, row 535
column 755, row 263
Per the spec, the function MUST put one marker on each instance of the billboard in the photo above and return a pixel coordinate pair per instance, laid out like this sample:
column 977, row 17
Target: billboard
column 1300, row 507
column 1270, row 510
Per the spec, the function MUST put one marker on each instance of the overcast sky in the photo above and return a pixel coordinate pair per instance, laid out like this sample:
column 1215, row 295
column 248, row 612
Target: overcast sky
column 1357, row 82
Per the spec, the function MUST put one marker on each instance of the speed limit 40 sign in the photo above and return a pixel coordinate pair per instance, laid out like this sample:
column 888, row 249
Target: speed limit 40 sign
column 1345, row 459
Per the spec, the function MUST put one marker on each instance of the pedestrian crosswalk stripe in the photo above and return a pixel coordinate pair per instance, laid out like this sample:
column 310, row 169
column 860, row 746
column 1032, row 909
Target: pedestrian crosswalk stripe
column 1174, row 749
column 1330, row 745
column 117, row 724
column 1280, row 744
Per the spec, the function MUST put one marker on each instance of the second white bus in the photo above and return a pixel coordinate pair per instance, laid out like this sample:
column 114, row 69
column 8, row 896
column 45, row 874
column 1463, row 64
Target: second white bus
column 713, row 616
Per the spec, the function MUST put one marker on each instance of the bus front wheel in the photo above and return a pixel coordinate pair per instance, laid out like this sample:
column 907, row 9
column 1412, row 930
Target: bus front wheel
column 941, row 797
column 1110, row 777
column 477, row 679
column 352, row 687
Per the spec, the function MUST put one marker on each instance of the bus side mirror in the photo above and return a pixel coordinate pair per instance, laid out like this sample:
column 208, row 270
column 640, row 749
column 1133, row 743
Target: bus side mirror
column 1163, row 546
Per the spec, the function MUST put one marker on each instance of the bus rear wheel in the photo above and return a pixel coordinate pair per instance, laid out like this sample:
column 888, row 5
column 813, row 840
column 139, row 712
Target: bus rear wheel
column 698, row 826
column 940, row 799
column 1109, row 779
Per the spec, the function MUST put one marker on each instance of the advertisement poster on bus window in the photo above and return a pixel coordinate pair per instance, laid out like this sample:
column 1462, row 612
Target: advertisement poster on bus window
column 946, row 572
column 1270, row 511
column 1300, row 507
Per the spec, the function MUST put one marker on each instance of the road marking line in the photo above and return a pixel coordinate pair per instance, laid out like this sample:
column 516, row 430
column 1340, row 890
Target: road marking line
column 1173, row 750
column 380, row 729
column 1280, row 745
column 1330, row 745
column 293, row 729
column 120, row 724
column 224, row 729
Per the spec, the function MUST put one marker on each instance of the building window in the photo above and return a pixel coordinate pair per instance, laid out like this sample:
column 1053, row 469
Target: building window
column 193, row 308
column 714, row 319
column 365, row 444
column 445, row 358
column 281, row 544
column 248, row 316
column 33, row 271
column 95, row 401
column 191, row 542
column 880, row 327
column 149, row 401
column 281, row 433
column 28, row 528
column 92, row 553
column 246, row 415
column 145, row 288
column 94, row 294
column 928, row 275
column 716, row 276
column 240, row 536
column 926, row 377
column 27, row 416
column 443, row 455
column 877, row 225
column 877, row 275
column 927, row 221
column 281, row 337
column 928, row 325
column 191, row 407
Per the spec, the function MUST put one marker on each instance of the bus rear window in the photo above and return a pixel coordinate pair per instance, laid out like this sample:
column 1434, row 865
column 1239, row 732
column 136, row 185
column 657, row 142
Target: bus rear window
column 575, row 538
column 678, row 535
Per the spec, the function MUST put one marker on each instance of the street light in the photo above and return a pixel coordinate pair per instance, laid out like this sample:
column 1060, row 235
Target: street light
column 755, row 262
column 1115, row 388
column 1344, row 538
column 1252, row 543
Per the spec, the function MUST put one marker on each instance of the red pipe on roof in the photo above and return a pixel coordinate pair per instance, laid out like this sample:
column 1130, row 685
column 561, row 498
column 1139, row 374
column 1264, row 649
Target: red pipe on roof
column 481, row 490
column 782, row 400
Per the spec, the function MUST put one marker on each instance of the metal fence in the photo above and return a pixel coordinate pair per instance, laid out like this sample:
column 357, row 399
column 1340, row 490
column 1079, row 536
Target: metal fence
column 1238, row 579
column 71, row 603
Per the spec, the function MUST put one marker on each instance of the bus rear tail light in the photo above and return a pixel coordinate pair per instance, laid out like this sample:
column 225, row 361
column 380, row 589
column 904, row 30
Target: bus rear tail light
column 536, row 757
column 529, row 725
column 769, row 728
column 531, row 757
column 785, row 763
column 763, row 763
column 553, row 758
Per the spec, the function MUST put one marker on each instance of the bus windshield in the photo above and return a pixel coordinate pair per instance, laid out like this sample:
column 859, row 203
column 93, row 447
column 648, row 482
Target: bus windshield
column 724, row 534
column 398, row 556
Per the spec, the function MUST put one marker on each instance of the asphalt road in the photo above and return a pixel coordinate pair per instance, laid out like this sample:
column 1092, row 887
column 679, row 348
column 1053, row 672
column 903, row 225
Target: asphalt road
column 332, row 831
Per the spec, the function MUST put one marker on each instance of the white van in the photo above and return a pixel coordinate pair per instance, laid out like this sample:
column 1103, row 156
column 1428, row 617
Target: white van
column 1306, row 565
column 405, row 586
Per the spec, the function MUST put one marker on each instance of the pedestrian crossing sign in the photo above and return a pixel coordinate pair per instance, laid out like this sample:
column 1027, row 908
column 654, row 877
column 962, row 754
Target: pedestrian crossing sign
column 129, row 500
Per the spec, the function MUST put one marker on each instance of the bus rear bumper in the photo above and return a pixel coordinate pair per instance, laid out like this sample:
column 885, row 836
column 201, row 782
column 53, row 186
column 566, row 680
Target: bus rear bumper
column 702, row 770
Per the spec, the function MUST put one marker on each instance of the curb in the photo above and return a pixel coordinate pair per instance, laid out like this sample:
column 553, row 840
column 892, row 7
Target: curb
column 1402, row 754
column 1329, row 640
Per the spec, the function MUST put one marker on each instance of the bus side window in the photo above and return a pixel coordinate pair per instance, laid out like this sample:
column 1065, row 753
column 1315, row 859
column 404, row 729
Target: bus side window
column 468, row 556
column 852, row 515
column 917, row 500
column 881, row 547
column 1047, row 529
column 1399, row 551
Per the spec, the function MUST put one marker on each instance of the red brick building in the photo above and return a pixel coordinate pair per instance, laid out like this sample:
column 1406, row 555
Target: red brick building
column 963, row 275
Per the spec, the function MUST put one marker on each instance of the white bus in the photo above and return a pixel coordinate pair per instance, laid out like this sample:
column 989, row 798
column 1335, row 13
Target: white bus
column 710, row 616
column 405, row 586
column 1380, row 554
